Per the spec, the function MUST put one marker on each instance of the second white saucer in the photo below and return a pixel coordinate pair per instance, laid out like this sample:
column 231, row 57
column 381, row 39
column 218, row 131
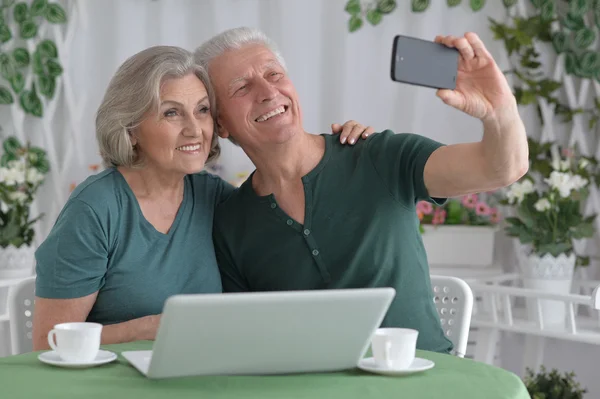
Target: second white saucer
column 417, row 366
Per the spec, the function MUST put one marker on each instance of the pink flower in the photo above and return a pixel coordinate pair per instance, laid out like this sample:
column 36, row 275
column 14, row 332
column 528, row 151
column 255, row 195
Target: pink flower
column 470, row 200
column 567, row 152
column 425, row 207
column 439, row 217
column 482, row 209
column 495, row 215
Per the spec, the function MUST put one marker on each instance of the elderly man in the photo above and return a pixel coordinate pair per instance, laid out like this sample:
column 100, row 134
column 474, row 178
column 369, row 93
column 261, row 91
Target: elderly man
column 314, row 215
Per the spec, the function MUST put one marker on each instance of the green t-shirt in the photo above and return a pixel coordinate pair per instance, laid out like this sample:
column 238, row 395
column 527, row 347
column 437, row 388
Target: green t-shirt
column 360, row 230
column 102, row 242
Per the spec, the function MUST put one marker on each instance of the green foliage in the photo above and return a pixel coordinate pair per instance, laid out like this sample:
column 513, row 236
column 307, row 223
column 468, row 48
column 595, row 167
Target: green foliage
column 552, row 385
column 22, row 171
column 16, row 62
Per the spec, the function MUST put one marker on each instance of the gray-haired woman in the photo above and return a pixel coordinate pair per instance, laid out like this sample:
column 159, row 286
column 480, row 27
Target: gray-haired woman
column 141, row 230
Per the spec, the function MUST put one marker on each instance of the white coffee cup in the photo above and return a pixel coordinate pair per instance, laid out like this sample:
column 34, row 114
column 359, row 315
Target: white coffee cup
column 76, row 342
column 394, row 348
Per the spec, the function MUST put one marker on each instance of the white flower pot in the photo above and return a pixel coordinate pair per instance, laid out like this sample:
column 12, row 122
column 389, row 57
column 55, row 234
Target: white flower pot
column 16, row 262
column 459, row 246
column 548, row 274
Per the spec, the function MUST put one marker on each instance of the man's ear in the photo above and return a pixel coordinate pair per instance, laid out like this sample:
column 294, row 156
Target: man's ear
column 223, row 133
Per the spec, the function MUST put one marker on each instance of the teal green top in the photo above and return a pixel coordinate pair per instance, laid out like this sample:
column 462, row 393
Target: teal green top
column 102, row 242
column 360, row 230
column 25, row 377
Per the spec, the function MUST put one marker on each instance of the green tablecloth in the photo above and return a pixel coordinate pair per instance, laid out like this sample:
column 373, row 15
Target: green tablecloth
column 24, row 376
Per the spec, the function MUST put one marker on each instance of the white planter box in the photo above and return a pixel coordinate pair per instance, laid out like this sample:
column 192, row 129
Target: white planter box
column 459, row 245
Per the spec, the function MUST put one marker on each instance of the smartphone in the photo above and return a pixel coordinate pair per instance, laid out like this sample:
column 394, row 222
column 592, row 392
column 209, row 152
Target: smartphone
column 424, row 63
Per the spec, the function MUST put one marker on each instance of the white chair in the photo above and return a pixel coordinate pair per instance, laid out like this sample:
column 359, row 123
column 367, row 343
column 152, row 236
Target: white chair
column 20, row 315
column 453, row 299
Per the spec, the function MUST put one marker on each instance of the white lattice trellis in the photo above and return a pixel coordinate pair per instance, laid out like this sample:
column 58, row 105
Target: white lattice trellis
column 57, row 131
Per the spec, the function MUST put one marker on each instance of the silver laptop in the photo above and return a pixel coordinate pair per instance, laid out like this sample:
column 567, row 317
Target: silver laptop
column 263, row 333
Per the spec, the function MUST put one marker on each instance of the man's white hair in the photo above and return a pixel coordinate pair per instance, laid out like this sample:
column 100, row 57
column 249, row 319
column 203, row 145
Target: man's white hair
column 234, row 39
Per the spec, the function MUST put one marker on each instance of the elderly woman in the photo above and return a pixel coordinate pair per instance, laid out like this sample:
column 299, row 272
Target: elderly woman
column 141, row 230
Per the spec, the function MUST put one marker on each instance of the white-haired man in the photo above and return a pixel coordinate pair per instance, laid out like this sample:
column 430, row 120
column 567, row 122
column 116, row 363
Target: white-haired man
column 316, row 216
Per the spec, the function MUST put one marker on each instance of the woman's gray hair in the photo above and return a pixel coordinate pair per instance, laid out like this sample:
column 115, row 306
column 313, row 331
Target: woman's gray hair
column 234, row 39
column 133, row 91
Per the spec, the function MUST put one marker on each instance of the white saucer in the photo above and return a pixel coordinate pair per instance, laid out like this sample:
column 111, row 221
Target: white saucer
column 51, row 357
column 418, row 365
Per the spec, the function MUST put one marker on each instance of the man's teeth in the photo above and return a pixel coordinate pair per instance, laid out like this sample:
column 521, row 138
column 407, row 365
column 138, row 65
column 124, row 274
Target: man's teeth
column 189, row 147
column 277, row 111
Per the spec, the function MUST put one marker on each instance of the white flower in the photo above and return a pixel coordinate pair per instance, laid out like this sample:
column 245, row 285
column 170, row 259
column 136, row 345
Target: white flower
column 583, row 163
column 34, row 177
column 518, row 190
column 565, row 182
column 561, row 182
column 3, row 207
column 12, row 176
column 578, row 182
column 542, row 205
column 18, row 196
column 561, row 165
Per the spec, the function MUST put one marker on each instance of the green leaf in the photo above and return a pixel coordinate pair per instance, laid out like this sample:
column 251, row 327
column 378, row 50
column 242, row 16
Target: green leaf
column 578, row 7
column 571, row 63
column 538, row 3
column 453, row 3
column 7, row 67
column 559, row 41
column 11, row 145
column 509, row 3
column 419, row 5
column 17, row 82
column 355, row 23
column 547, row 12
column 386, row 6
column 38, row 64
column 20, row 56
column 584, row 37
column 353, row 7
column 584, row 230
column 28, row 29
column 47, row 49
column 5, row 96
column 47, row 86
column 55, row 14
column 20, row 12
column 38, row 8
column 555, row 249
column 374, row 16
column 477, row 5
column 589, row 63
column 5, row 33
column 31, row 103
column 573, row 22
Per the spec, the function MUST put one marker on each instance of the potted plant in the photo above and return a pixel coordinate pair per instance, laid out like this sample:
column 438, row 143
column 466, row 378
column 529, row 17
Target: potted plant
column 553, row 385
column 549, row 218
column 460, row 232
column 22, row 171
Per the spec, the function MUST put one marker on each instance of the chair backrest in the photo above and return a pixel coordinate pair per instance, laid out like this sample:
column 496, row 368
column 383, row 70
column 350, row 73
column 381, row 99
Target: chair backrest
column 453, row 299
column 20, row 313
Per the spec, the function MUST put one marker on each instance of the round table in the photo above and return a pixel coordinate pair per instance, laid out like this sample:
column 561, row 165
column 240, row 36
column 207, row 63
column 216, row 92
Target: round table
column 24, row 376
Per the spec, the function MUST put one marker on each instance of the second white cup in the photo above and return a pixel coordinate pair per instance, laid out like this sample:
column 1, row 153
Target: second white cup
column 76, row 342
column 394, row 348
